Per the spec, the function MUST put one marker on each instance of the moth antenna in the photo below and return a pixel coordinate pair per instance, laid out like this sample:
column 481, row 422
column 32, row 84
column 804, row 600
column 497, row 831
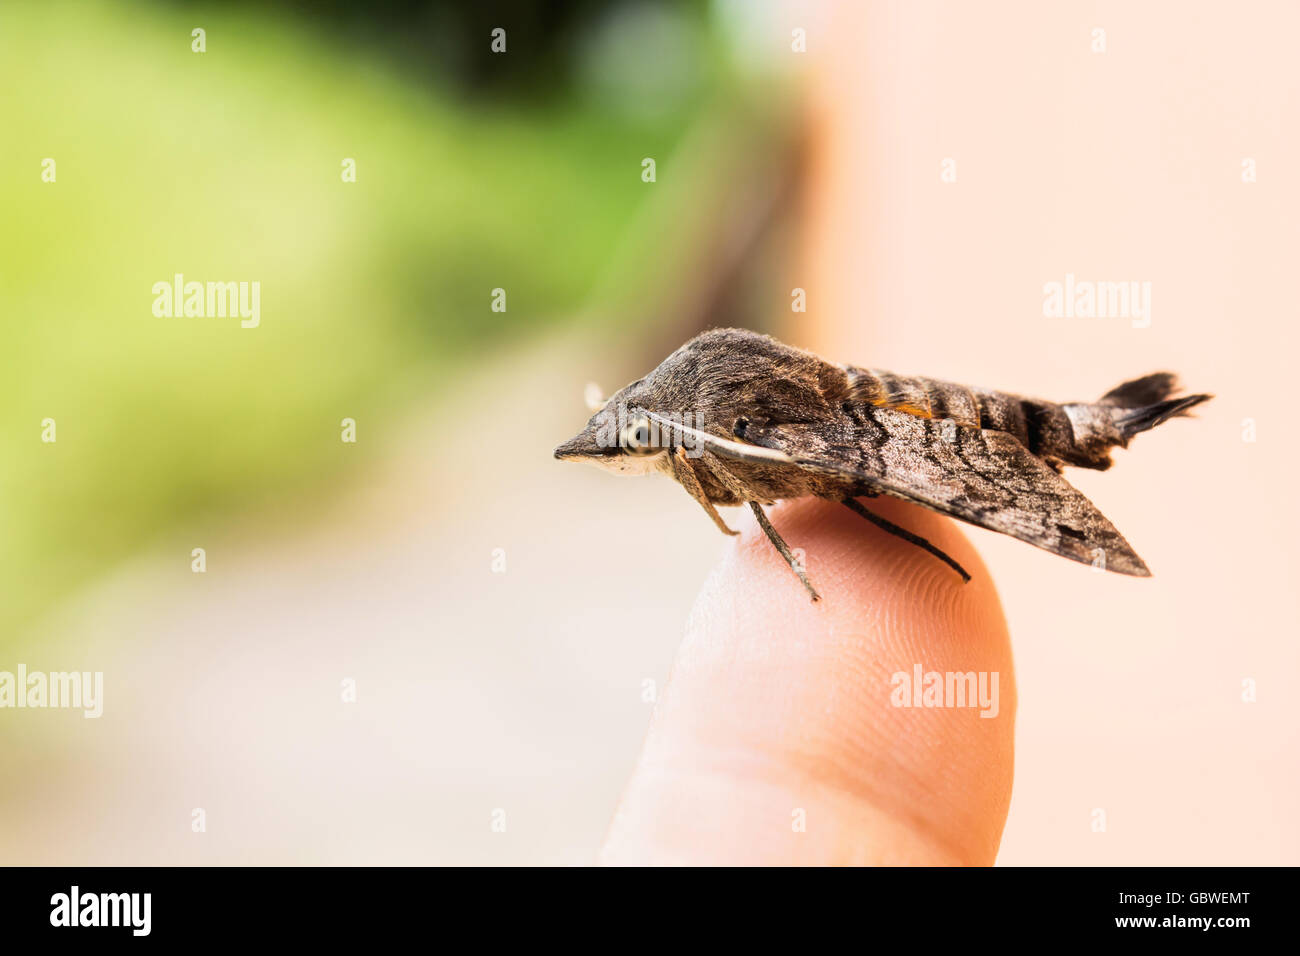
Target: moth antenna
column 723, row 446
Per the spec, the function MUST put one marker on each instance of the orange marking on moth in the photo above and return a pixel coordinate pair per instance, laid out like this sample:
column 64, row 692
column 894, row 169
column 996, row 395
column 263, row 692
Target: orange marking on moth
column 904, row 407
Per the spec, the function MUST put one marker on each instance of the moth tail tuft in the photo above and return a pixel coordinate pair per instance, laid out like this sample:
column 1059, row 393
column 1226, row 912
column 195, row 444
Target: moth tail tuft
column 1141, row 392
column 1149, row 416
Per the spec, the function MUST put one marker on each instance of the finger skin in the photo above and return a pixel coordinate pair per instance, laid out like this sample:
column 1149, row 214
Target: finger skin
column 779, row 709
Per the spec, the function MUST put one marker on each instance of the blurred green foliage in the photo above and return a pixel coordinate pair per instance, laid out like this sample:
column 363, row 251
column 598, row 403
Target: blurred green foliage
column 225, row 166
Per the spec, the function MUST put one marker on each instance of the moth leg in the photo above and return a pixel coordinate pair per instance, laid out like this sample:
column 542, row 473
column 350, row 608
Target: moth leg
column 685, row 474
column 737, row 488
column 728, row 480
column 906, row 535
column 784, row 548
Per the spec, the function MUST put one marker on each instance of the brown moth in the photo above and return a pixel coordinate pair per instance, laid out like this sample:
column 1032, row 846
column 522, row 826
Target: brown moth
column 738, row 418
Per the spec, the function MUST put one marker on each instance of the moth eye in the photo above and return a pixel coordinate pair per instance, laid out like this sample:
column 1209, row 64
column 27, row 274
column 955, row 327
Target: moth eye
column 636, row 438
column 740, row 427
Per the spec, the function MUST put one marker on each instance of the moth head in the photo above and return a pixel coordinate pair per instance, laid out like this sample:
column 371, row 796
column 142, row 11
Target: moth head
column 620, row 437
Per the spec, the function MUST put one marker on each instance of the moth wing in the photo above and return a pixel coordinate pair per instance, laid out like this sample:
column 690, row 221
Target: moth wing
column 982, row 476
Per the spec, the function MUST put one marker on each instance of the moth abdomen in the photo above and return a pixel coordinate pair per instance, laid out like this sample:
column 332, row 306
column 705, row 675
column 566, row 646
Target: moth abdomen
column 1003, row 412
column 1138, row 420
column 915, row 395
column 1079, row 434
column 1121, row 413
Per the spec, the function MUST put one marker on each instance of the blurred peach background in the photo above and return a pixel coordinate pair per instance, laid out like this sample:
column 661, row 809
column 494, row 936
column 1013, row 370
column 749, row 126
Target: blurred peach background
column 525, row 691
column 1119, row 165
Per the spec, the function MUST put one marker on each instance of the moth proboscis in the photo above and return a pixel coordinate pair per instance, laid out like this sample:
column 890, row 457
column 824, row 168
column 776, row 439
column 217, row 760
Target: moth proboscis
column 738, row 418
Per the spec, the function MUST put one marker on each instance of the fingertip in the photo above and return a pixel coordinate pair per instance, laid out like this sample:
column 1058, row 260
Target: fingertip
column 777, row 698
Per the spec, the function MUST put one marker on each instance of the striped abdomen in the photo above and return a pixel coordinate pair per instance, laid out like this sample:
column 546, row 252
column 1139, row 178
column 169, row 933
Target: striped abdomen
column 1076, row 434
